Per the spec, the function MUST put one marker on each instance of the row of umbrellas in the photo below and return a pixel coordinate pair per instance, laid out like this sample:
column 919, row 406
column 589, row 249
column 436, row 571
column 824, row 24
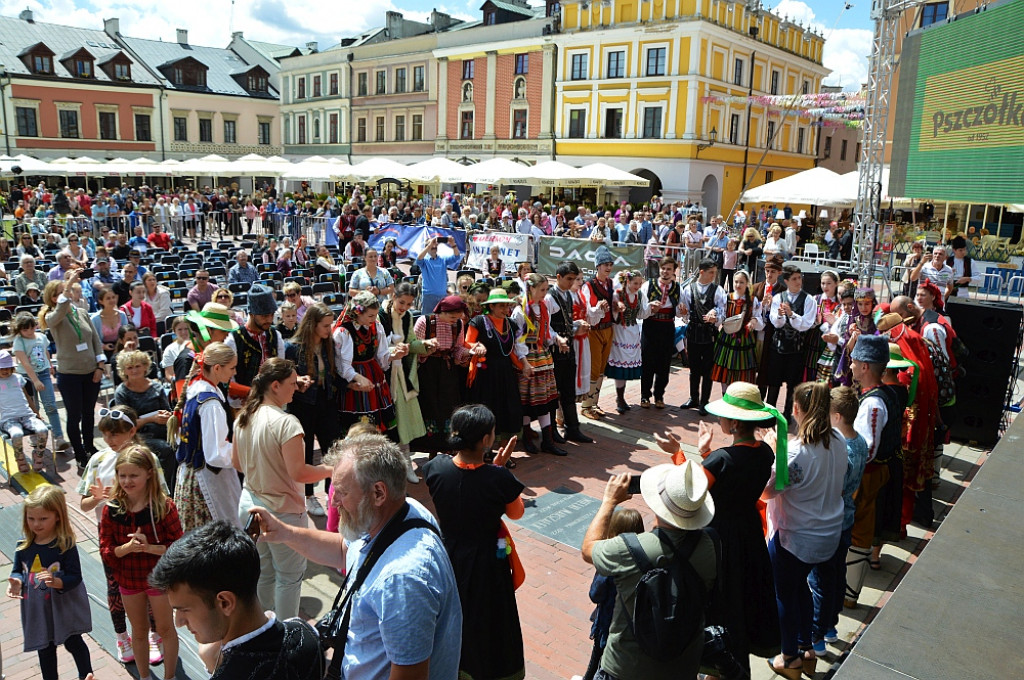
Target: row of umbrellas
column 430, row 171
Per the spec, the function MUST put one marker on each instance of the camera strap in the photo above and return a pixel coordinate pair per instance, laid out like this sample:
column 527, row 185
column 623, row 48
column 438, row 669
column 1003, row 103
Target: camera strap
column 397, row 526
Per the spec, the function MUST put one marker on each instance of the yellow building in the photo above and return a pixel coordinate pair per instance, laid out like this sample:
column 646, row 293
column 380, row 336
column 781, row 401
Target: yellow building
column 639, row 82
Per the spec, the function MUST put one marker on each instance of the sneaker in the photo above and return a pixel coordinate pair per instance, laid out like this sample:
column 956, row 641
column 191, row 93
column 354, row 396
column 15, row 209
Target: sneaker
column 314, row 508
column 62, row 445
column 818, row 647
column 156, row 649
column 125, row 653
column 831, row 636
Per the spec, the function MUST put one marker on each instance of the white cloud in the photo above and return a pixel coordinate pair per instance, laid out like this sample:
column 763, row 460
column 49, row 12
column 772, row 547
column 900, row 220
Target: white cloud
column 846, row 49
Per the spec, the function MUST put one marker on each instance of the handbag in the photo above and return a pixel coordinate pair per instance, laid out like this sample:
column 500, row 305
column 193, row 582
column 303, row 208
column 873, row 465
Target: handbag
column 333, row 626
column 788, row 340
column 733, row 324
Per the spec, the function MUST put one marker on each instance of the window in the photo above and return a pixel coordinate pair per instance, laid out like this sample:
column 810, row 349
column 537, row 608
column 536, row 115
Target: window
column 361, row 130
column 616, row 64
column 800, row 140
column 417, row 127
column 522, row 64
column 206, row 130
column 467, row 69
column 418, row 80
column 842, row 150
column 490, row 18
column 466, row 129
column 122, row 71
column 143, row 129
column 316, row 129
column 333, row 84
column 774, row 88
column 229, row 132
column 382, row 82
column 257, row 82
column 108, row 125
column 69, row 124
column 264, row 132
column 933, row 13
column 656, row 61
column 399, row 128
column 399, row 80
column 771, row 135
column 734, row 128
column 828, row 147
column 27, row 123
column 577, row 123
column 42, row 64
column 652, row 122
column 361, row 87
column 857, row 153
column 82, row 68
column 806, row 87
column 316, row 86
column 332, row 129
column 579, row 67
column 380, row 129
column 769, row 176
column 302, row 129
column 613, row 123
column 180, row 129
column 737, row 72
column 302, row 88
column 192, row 74
column 519, row 124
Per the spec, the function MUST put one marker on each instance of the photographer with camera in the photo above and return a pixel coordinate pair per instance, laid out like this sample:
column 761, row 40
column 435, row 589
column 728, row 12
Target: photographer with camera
column 210, row 577
column 434, row 270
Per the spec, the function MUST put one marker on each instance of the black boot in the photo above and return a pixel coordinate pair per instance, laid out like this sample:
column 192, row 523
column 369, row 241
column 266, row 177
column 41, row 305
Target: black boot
column 558, row 439
column 578, row 436
column 620, row 400
column 528, row 442
column 547, row 444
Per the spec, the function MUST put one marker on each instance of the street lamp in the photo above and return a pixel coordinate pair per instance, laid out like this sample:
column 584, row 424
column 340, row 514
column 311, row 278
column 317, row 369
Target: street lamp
column 713, row 136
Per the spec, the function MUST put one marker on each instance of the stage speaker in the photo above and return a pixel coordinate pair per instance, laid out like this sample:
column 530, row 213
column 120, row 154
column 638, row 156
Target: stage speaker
column 992, row 333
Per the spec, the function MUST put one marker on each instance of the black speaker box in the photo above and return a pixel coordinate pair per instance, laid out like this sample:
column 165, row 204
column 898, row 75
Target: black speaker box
column 987, row 326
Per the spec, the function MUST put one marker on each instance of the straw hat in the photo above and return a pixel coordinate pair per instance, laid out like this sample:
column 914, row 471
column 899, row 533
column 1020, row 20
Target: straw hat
column 738, row 392
column 214, row 315
column 498, row 296
column 896, row 359
column 678, row 494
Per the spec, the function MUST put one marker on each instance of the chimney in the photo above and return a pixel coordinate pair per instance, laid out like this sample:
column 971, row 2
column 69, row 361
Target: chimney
column 183, row 36
column 313, row 46
column 112, row 27
column 393, row 22
column 440, row 21
column 237, row 35
column 26, row 15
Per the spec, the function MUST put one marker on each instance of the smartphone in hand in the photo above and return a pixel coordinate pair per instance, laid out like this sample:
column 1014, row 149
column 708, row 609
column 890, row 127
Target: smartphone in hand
column 634, row 484
column 252, row 527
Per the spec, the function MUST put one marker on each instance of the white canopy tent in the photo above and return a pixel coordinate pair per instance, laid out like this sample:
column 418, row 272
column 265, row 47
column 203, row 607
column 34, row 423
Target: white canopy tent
column 817, row 186
column 494, row 171
column 436, row 171
column 545, row 173
column 373, row 170
column 601, row 174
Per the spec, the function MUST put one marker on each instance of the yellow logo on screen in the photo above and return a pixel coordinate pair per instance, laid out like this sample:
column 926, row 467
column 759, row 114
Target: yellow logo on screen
column 981, row 107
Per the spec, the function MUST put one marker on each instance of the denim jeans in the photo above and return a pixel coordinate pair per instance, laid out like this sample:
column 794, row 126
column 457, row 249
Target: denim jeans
column 828, row 588
column 48, row 399
column 281, row 567
column 80, row 393
column 793, row 597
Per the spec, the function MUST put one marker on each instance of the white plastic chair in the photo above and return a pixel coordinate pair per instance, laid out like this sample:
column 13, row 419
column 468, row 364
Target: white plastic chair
column 811, row 250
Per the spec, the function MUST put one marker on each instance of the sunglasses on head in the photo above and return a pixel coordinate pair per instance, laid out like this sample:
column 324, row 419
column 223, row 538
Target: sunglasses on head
column 116, row 415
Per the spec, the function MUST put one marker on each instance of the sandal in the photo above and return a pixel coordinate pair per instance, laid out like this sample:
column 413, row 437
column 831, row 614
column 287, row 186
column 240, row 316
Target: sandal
column 39, row 460
column 23, row 465
column 875, row 563
column 510, row 464
column 787, row 670
column 810, row 661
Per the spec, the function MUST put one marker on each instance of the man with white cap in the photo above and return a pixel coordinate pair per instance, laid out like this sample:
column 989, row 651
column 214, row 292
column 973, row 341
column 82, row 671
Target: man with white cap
column 678, row 496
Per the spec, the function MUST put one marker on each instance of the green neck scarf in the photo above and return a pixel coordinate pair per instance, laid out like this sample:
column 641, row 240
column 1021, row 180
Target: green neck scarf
column 782, row 430
column 913, row 379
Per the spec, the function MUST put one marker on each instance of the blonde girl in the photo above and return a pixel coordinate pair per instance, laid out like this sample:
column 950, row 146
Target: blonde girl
column 139, row 521
column 118, row 428
column 47, row 577
column 179, row 327
column 624, row 360
column 538, row 393
column 30, row 349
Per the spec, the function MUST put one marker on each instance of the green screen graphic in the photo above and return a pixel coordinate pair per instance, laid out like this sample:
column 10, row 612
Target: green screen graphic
column 960, row 111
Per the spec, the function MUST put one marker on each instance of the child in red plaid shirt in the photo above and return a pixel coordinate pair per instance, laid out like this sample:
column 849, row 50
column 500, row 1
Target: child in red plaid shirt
column 138, row 523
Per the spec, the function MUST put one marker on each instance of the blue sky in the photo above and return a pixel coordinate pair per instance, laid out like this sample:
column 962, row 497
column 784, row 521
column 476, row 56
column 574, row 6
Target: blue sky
column 296, row 22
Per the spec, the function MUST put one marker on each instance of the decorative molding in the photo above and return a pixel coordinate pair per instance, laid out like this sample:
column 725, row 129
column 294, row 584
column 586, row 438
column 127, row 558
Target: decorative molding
column 225, row 149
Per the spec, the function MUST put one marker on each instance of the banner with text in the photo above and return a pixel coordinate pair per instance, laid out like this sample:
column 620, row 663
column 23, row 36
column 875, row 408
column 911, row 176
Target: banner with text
column 555, row 249
column 414, row 239
column 514, row 248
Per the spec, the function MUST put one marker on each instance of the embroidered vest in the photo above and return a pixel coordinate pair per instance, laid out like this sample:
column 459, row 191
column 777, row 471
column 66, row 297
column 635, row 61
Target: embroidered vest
column 250, row 354
column 190, row 447
column 788, row 340
column 600, row 292
column 699, row 332
column 890, row 443
column 654, row 294
column 363, row 349
column 561, row 323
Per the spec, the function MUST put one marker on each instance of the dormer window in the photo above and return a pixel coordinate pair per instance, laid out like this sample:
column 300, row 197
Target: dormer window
column 80, row 63
column 38, row 59
column 255, row 80
column 257, row 83
column 187, row 72
column 42, row 64
column 117, row 66
column 81, row 68
column 122, row 72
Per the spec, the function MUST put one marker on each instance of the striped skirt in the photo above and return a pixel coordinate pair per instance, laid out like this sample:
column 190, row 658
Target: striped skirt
column 375, row 406
column 537, row 392
column 735, row 357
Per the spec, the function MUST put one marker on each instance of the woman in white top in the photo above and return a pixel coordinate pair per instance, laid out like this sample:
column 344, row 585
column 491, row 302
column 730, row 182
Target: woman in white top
column 805, row 511
column 158, row 297
column 774, row 243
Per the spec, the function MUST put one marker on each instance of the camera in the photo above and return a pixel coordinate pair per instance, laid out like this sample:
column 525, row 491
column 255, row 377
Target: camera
column 718, row 656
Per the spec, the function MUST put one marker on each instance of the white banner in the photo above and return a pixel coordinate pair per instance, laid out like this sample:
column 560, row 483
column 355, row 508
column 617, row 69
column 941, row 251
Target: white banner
column 514, row 248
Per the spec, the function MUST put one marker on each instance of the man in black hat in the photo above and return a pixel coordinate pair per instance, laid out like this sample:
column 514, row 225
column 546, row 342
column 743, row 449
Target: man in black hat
column 961, row 265
column 258, row 340
column 704, row 301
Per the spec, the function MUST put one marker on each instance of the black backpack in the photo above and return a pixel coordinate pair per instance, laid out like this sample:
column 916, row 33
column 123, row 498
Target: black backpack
column 670, row 598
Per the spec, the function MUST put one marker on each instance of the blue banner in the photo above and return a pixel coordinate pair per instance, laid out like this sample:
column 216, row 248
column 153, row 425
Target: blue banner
column 414, row 239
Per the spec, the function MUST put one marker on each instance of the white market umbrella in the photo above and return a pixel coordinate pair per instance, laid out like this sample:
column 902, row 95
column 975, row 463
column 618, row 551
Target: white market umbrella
column 601, row 174
column 548, row 174
column 494, row 171
column 816, row 186
column 436, row 170
column 375, row 169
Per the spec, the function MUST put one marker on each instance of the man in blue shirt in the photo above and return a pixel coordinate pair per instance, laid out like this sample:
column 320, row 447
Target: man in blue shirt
column 406, row 618
column 243, row 272
column 434, row 272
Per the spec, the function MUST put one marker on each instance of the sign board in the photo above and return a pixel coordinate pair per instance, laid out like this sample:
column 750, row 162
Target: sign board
column 555, row 249
column 561, row 515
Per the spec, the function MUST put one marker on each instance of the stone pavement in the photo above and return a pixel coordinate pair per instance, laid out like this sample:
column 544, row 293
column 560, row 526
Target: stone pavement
column 553, row 603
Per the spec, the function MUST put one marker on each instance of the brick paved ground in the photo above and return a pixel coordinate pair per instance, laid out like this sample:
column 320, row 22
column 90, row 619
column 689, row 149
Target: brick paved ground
column 553, row 603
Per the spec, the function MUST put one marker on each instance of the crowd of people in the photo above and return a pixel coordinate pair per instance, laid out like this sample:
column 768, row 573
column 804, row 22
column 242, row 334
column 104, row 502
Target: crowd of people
column 204, row 488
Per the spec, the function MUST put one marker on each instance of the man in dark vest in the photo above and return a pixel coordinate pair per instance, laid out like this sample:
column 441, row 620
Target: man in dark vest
column 961, row 265
column 257, row 341
column 559, row 303
column 792, row 314
column 704, row 302
column 658, row 335
column 598, row 293
column 880, row 421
